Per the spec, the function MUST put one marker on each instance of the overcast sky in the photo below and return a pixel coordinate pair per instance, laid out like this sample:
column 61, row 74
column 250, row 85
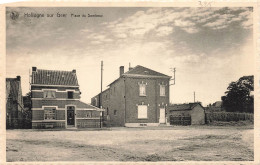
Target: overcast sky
column 210, row 47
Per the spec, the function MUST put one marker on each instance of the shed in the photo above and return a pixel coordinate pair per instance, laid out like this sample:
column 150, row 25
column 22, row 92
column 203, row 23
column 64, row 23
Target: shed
column 186, row 114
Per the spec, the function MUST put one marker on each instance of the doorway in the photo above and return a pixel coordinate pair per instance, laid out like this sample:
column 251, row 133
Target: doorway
column 70, row 116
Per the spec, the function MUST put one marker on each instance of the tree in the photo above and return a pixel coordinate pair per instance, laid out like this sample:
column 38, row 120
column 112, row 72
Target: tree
column 238, row 97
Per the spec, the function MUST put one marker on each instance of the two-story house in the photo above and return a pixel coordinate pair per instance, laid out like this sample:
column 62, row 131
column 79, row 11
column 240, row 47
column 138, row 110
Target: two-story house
column 139, row 97
column 56, row 101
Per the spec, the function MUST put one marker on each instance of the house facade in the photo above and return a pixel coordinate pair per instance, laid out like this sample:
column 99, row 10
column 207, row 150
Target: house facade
column 139, row 97
column 56, row 101
column 14, row 103
column 186, row 114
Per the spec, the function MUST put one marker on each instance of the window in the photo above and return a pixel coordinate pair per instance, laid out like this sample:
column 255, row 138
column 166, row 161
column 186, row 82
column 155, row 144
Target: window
column 89, row 114
column 162, row 90
column 107, row 111
column 142, row 111
column 70, row 95
column 50, row 114
column 49, row 94
column 142, row 89
column 115, row 112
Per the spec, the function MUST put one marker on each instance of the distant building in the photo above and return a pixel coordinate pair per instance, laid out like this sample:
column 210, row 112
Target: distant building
column 56, row 101
column 215, row 107
column 186, row 114
column 14, row 102
column 139, row 97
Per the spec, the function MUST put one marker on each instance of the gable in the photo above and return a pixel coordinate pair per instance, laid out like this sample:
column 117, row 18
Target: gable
column 54, row 77
column 140, row 70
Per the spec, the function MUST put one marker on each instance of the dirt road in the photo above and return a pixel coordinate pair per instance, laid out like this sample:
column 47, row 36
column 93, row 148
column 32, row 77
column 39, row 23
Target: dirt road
column 132, row 144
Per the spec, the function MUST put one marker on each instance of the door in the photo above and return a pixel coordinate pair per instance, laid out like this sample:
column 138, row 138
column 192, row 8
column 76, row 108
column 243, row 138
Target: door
column 162, row 115
column 70, row 115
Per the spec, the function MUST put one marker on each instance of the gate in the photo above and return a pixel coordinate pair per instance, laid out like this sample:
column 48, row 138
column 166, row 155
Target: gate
column 180, row 120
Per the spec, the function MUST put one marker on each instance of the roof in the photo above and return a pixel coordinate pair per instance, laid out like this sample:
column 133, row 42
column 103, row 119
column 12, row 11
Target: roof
column 83, row 105
column 218, row 104
column 180, row 107
column 141, row 71
column 54, row 77
column 12, row 88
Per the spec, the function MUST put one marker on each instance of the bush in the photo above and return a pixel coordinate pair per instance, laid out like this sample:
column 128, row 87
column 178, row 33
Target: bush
column 228, row 116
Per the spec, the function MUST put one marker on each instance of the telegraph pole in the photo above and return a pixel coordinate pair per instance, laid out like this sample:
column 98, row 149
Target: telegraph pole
column 100, row 96
column 194, row 97
column 174, row 70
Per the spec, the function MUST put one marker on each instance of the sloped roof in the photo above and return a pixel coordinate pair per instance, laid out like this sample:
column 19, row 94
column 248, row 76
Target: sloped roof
column 83, row 105
column 218, row 103
column 140, row 71
column 180, row 107
column 54, row 77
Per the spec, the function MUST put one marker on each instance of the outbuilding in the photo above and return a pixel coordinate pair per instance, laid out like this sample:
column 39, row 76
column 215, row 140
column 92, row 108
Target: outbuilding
column 186, row 114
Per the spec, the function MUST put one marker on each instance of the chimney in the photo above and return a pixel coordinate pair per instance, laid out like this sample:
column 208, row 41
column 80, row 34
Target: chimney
column 74, row 71
column 18, row 78
column 34, row 69
column 121, row 70
column 130, row 68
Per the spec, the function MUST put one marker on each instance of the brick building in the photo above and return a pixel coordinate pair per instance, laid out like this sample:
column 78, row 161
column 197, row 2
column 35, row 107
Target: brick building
column 137, row 98
column 14, row 103
column 56, row 101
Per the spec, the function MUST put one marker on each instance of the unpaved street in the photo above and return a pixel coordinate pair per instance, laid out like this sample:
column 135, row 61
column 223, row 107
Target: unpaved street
column 177, row 143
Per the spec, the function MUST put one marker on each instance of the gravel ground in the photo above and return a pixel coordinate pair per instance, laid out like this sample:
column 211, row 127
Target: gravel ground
column 179, row 143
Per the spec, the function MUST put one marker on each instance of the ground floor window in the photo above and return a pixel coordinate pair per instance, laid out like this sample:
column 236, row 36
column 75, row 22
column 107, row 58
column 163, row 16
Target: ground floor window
column 142, row 111
column 49, row 113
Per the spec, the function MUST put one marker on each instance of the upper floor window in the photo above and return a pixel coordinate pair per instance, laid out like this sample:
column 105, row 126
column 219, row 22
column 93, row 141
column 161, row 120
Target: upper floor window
column 49, row 94
column 70, row 95
column 162, row 90
column 142, row 89
column 115, row 112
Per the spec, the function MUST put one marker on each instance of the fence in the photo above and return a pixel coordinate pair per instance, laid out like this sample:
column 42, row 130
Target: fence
column 228, row 116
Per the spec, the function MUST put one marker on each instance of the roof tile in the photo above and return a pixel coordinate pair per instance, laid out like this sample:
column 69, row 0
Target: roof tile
column 54, row 77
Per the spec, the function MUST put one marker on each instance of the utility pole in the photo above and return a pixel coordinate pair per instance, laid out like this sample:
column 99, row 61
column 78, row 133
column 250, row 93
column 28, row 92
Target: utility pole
column 174, row 70
column 100, row 96
column 194, row 97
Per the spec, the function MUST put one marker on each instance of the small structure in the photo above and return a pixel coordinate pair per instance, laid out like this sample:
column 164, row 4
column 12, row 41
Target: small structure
column 139, row 97
column 186, row 114
column 14, row 103
column 215, row 107
column 56, row 101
